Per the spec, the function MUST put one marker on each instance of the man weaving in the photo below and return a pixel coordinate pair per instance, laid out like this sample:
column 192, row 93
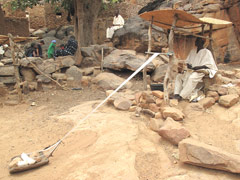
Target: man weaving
column 200, row 62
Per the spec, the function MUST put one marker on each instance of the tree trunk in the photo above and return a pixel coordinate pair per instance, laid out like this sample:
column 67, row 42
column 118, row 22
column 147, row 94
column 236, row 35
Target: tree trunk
column 86, row 12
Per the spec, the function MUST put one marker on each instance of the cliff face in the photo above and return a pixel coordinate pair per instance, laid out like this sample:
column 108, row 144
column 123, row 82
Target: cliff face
column 226, row 43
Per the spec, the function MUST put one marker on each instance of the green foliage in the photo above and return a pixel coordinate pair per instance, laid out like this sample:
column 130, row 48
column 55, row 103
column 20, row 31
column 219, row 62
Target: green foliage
column 65, row 4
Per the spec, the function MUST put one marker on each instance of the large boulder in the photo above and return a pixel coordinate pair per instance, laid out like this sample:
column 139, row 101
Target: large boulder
column 204, row 155
column 134, row 35
column 122, row 104
column 74, row 72
column 110, row 81
column 173, row 131
column 125, row 59
column 159, row 73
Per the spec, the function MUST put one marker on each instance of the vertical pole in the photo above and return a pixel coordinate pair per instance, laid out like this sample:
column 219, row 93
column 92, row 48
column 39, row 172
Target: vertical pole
column 102, row 61
column 210, row 41
column 202, row 29
column 16, row 68
column 170, row 69
column 149, row 50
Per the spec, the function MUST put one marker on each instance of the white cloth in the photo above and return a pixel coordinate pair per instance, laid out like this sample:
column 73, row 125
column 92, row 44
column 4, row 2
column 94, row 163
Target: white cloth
column 187, row 82
column 1, row 50
column 118, row 23
column 203, row 58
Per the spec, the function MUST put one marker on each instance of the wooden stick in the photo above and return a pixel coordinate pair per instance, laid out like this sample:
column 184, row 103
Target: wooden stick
column 102, row 61
column 149, row 50
column 211, row 42
column 170, row 69
column 16, row 68
column 40, row 72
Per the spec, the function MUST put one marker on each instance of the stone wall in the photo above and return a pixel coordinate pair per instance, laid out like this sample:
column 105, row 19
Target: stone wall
column 52, row 20
column 36, row 17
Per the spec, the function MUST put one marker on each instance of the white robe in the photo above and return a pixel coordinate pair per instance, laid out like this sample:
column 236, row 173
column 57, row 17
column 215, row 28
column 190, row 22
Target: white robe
column 118, row 23
column 186, row 83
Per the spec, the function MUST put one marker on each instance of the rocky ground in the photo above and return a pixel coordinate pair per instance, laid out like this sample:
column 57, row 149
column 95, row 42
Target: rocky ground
column 116, row 144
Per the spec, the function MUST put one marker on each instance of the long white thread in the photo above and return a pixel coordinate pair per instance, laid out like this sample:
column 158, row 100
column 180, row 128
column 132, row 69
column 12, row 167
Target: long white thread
column 105, row 100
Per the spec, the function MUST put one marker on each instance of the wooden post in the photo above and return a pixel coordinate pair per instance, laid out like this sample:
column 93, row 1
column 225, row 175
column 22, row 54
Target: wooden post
column 16, row 68
column 202, row 29
column 171, row 68
column 210, row 41
column 102, row 60
column 149, row 50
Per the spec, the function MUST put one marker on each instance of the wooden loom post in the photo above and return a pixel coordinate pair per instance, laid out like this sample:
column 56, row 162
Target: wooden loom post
column 16, row 68
column 170, row 69
column 149, row 50
column 210, row 40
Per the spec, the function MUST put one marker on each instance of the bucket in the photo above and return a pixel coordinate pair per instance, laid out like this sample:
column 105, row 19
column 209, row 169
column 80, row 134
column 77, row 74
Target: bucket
column 157, row 87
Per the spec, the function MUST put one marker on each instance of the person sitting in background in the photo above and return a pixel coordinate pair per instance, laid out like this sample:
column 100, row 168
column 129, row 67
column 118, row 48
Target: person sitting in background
column 60, row 51
column 69, row 49
column 39, row 49
column 51, row 49
column 31, row 51
column 118, row 23
column 200, row 62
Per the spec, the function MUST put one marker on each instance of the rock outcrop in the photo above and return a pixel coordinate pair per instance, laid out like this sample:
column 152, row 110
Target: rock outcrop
column 125, row 59
column 134, row 35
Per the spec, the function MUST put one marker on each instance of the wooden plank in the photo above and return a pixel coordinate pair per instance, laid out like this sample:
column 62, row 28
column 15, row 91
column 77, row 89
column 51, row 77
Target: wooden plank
column 149, row 50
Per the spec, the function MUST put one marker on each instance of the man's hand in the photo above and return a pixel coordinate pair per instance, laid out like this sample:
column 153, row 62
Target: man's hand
column 189, row 66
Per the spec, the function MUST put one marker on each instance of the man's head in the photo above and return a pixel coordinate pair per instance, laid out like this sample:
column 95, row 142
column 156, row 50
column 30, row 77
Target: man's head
column 54, row 41
column 117, row 13
column 42, row 42
column 199, row 42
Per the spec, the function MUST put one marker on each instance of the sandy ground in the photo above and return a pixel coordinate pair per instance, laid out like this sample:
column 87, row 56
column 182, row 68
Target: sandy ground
column 112, row 144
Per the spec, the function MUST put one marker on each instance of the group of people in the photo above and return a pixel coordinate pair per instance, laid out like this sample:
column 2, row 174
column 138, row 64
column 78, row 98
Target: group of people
column 35, row 50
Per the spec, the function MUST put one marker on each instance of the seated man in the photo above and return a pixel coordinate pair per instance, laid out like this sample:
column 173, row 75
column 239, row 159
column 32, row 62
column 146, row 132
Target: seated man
column 200, row 62
column 118, row 23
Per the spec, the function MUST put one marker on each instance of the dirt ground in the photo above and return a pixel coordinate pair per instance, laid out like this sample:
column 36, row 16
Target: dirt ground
column 111, row 144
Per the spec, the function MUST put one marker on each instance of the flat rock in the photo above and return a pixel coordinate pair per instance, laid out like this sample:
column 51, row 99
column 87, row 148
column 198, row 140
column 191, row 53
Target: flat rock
column 213, row 94
column 158, row 94
column 109, row 81
column 228, row 100
column 222, row 91
column 59, row 76
column 200, row 154
column 43, row 78
column 11, row 102
column 207, row 102
column 6, row 70
column 173, row 131
column 125, row 59
column 122, row 104
column 8, row 79
column 155, row 124
column 172, row 112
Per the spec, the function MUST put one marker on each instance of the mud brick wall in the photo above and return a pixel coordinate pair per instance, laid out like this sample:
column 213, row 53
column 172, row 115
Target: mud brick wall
column 51, row 20
column 17, row 26
column 2, row 22
column 36, row 17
